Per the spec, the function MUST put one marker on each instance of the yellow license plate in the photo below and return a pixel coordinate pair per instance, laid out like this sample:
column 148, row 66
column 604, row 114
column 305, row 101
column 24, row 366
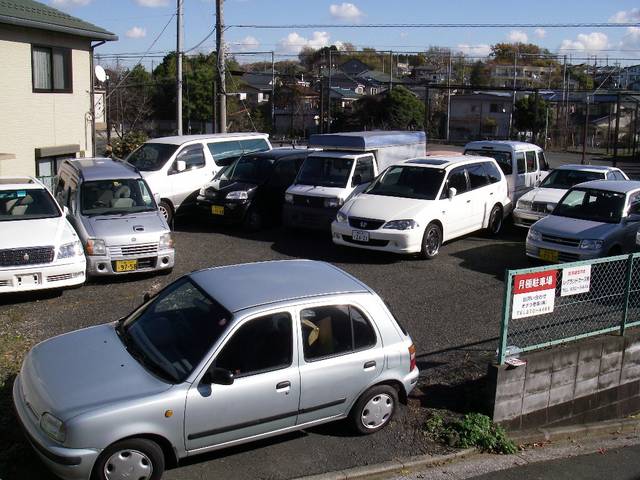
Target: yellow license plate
column 217, row 210
column 126, row 265
column 548, row 255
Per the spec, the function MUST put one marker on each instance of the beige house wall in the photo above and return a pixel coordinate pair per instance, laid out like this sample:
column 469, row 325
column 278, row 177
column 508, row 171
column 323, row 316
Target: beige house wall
column 31, row 120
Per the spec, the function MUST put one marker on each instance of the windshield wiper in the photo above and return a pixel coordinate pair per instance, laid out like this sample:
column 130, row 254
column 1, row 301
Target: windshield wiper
column 136, row 352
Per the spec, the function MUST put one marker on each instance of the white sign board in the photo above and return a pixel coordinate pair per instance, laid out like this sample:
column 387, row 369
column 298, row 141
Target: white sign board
column 534, row 294
column 575, row 280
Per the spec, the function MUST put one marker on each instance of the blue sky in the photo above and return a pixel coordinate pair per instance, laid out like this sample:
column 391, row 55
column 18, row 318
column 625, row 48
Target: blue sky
column 138, row 22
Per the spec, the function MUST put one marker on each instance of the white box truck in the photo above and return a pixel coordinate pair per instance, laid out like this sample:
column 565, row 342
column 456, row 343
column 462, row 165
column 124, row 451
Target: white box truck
column 348, row 162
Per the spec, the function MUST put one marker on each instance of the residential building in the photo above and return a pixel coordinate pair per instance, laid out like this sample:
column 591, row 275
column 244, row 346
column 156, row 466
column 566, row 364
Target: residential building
column 480, row 115
column 258, row 87
column 297, row 109
column 525, row 75
column 45, row 87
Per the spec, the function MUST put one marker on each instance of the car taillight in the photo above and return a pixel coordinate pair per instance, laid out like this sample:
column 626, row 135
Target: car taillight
column 412, row 357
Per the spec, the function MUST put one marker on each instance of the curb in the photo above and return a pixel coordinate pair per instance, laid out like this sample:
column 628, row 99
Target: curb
column 392, row 466
column 569, row 432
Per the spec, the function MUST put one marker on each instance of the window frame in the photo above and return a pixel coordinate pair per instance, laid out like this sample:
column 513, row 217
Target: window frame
column 479, row 166
column 454, row 171
column 183, row 151
column 68, row 65
column 528, row 155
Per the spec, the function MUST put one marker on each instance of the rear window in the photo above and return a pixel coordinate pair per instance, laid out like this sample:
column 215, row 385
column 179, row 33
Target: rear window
column 503, row 158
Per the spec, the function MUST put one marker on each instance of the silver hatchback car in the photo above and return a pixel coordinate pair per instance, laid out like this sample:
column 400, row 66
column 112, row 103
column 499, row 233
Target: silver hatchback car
column 220, row 357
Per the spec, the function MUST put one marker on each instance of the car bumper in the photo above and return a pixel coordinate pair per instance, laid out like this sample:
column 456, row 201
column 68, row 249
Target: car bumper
column 231, row 212
column 66, row 463
column 387, row 240
column 564, row 253
column 525, row 218
column 312, row 218
column 98, row 266
column 42, row 277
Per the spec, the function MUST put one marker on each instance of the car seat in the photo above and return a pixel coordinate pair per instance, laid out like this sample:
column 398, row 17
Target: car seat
column 122, row 198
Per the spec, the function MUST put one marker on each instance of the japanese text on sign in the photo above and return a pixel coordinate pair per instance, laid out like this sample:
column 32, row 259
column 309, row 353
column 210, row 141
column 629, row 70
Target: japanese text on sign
column 575, row 280
column 534, row 294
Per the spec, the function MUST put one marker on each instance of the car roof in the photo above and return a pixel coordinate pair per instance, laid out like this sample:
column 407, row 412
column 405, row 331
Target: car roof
column 281, row 152
column 238, row 287
column 445, row 161
column 15, row 181
column 620, row 186
column 587, row 168
column 511, row 144
column 180, row 139
column 103, row 169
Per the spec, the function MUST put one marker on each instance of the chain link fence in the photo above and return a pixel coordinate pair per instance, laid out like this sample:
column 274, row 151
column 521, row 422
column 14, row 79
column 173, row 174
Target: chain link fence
column 554, row 304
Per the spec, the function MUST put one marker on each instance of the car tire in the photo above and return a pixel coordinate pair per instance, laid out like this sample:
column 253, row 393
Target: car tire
column 431, row 241
column 252, row 220
column 496, row 221
column 166, row 210
column 138, row 458
column 374, row 409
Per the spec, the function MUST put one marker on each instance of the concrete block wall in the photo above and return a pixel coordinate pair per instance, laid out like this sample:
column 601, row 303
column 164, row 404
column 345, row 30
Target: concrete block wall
column 580, row 382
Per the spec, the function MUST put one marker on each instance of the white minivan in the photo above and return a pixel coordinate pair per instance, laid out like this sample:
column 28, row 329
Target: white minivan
column 176, row 167
column 524, row 164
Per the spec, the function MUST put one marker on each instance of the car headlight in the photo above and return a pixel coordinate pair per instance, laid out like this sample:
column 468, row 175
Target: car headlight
column 534, row 235
column 288, row 197
column 165, row 242
column 341, row 217
column 201, row 191
column 591, row 244
column 238, row 195
column 96, row 246
column 401, row 224
column 71, row 249
column 333, row 202
column 523, row 205
column 54, row 427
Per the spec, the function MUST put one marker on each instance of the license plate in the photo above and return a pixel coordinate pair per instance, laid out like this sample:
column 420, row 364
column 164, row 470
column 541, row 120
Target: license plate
column 32, row 279
column 360, row 236
column 548, row 255
column 126, row 265
column 217, row 210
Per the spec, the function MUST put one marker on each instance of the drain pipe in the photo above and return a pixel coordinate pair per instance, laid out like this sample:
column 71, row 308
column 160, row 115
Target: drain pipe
column 92, row 106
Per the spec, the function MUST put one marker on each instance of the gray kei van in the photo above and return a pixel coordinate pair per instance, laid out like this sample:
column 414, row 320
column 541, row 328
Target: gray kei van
column 220, row 357
column 115, row 215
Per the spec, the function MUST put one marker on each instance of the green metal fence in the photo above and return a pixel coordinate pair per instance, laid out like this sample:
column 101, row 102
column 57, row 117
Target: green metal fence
column 554, row 304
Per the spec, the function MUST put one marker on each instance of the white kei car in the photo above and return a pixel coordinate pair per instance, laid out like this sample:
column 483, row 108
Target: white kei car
column 415, row 206
column 39, row 248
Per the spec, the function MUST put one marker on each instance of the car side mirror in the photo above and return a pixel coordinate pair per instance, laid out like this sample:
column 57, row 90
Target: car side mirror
column 65, row 211
column 452, row 193
column 181, row 165
column 357, row 180
column 156, row 197
column 632, row 217
column 219, row 376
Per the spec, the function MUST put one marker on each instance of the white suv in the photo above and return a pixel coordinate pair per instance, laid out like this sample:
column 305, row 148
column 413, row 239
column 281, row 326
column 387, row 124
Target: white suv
column 415, row 206
column 38, row 247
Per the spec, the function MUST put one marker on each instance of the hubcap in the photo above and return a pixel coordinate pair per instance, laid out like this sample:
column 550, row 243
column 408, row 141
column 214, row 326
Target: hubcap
column 377, row 411
column 128, row 465
column 433, row 242
column 164, row 212
column 496, row 221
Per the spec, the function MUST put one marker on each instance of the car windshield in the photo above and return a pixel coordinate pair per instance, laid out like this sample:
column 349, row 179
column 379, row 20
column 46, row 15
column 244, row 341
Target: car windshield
column 109, row 197
column 408, row 182
column 151, row 156
column 250, row 169
column 503, row 158
column 591, row 204
column 325, row 172
column 565, row 179
column 171, row 334
column 27, row 204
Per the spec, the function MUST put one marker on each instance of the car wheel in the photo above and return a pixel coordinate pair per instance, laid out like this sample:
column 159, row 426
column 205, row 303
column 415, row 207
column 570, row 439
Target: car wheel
column 374, row 409
column 431, row 241
column 252, row 220
column 137, row 458
column 166, row 211
column 495, row 221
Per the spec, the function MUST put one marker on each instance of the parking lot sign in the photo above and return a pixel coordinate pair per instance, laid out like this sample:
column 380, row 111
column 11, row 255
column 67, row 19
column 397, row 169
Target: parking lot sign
column 534, row 294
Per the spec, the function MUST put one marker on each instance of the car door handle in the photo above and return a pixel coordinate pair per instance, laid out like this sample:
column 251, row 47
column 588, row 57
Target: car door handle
column 283, row 386
column 369, row 365
column 469, row 201
column 490, row 193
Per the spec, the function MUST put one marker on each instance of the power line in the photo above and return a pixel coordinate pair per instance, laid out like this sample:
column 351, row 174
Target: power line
column 439, row 25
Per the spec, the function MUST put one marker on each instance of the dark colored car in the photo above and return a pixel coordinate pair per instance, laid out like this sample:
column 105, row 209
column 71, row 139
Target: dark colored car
column 251, row 190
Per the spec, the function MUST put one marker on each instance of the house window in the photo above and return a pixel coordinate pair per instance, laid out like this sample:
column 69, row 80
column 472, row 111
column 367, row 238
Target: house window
column 495, row 108
column 51, row 69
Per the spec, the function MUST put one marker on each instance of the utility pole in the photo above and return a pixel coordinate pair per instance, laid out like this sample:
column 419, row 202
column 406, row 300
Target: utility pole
column 273, row 92
column 616, row 132
column 222, row 88
column 513, row 100
column 390, row 70
column 448, row 97
column 329, row 94
column 179, row 68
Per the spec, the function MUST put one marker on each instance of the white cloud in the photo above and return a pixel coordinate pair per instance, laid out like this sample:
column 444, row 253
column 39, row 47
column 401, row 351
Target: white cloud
column 136, row 32
column 626, row 16
column 70, row 3
column 294, row 42
column 482, row 50
column 540, row 32
column 248, row 43
column 518, row 36
column 586, row 42
column 345, row 11
column 153, row 3
column 631, row 39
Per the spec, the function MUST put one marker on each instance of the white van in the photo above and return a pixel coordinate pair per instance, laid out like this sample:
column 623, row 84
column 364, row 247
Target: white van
column 524, row 164
column 176, row 167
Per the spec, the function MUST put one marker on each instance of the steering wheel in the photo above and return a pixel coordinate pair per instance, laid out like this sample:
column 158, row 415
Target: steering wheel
column 99, row 203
